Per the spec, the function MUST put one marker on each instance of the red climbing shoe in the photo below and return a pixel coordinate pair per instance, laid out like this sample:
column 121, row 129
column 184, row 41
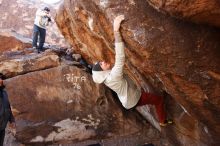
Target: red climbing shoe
column 167, row 122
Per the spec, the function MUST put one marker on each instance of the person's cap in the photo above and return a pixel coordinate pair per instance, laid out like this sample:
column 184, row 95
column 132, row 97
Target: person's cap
column 2, row 76
column 46, row 9
column 97, row 67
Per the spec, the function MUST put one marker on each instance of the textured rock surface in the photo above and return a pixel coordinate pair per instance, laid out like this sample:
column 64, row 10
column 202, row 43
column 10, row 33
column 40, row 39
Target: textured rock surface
column 28, row 63
column 63, row 105
column 10, row 41
column 175, row 56
column 19, row 15
column 199, row 11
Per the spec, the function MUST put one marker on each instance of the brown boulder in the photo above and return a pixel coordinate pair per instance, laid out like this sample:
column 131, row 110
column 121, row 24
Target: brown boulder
column 11, row 41
column 175, row 56
column 63, row 105
column 28, row 63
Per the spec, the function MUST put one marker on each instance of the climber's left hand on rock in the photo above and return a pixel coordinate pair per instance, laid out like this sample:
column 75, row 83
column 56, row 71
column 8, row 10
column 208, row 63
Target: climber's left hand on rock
column 117, row 22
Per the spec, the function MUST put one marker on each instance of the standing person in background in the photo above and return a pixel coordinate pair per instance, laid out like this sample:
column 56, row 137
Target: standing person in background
column 113, row 77
column 5, row 111
column 42, row 20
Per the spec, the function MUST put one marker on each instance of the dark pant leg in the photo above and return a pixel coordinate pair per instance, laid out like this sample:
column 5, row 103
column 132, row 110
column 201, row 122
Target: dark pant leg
column 35, row 36
column 42, row 38
column 2, row 136
column 157, row 101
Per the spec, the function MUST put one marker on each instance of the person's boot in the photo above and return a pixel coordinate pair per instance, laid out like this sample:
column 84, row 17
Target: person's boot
column 39, row 50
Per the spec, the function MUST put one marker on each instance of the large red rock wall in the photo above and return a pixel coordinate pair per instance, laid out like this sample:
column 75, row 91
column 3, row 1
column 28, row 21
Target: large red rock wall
column 176, row 56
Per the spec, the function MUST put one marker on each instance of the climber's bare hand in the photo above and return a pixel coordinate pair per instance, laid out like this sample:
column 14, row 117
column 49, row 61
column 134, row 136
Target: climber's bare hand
column 117, row 22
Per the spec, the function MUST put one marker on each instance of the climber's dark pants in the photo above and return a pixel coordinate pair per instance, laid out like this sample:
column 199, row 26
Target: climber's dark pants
column 157, row 101
column 2, row 136
column 41, row 32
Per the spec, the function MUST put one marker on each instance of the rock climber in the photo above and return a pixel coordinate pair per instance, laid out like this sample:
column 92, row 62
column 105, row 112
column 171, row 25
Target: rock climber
column 128, row 93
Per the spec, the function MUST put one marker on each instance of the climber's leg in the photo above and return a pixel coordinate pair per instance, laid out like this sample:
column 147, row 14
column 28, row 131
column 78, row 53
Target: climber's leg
column 157, row 101
column 35, row 36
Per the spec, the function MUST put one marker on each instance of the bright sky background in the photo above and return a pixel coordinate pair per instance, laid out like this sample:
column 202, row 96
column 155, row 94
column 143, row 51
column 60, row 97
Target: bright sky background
column 51, row 1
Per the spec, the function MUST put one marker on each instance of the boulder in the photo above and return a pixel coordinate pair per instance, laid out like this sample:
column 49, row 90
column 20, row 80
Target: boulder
column 21, row 64
column 11, row 41
column 178, row 57
column 62, row 105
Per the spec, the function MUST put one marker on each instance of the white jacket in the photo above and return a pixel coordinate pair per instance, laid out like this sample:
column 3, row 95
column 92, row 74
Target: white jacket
column 39, row 15
column 126, row 90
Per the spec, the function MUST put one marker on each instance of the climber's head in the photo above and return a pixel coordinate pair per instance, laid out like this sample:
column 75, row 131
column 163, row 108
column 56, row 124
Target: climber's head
column 100, row 71
column 46, row 9
column 101, row 66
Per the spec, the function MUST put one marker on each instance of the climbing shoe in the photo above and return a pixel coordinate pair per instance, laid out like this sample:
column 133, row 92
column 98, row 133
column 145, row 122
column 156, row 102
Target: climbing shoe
column 166, row 122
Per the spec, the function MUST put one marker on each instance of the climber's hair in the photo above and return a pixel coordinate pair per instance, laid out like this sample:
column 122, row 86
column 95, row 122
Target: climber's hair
column 97, row 67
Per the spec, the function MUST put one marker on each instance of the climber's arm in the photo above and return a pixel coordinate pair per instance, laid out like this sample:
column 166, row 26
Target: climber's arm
column 117, row 69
